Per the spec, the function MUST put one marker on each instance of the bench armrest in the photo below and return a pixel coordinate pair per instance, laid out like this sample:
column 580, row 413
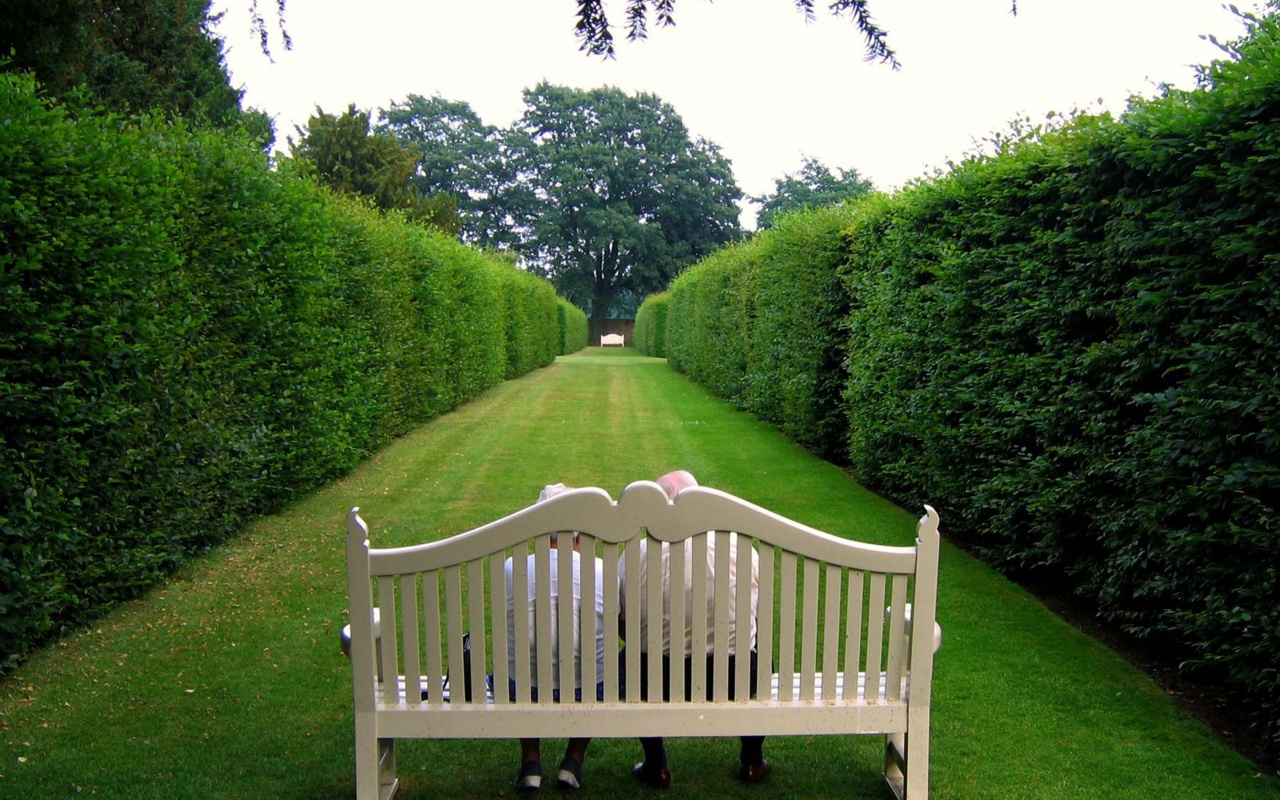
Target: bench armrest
column 344, row 637
column 937, row 629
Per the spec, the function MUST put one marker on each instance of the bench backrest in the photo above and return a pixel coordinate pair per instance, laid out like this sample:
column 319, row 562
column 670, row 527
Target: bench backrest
column 826, row 605
column 612, row 339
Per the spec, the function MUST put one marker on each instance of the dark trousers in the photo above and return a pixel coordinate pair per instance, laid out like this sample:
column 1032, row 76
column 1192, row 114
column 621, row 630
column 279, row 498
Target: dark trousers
column 752, row 747
column 688, row 676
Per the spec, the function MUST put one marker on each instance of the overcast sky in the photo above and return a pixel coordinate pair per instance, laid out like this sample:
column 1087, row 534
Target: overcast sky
column 750, row 75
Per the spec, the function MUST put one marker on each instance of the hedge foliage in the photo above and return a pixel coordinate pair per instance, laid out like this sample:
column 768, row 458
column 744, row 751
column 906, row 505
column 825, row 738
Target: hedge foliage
column 573, row 326
column 650, row 333
column 760, row 324
column 1070, row 346
column 189, row 339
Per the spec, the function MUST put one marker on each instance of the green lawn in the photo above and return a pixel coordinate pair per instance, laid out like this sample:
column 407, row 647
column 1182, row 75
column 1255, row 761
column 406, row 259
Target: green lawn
column 228, row 683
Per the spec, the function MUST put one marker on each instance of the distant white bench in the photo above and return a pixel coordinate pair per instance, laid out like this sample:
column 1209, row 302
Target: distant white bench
column 847, row 657
column 612, row 339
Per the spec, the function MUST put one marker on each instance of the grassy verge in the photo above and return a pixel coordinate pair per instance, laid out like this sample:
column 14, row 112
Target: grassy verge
column 227, row 683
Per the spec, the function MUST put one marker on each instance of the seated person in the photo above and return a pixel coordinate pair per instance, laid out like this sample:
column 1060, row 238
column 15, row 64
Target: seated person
column 654, row 770
column 570, row 774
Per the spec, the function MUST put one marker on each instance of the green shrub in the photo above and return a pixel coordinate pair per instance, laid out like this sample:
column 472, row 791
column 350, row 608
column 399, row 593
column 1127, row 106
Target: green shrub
column 709, row 321
column 797, row 370
column 650, row 333
column 761, row 324
column 189, row 339
column 1071, row 344
column 573, row 326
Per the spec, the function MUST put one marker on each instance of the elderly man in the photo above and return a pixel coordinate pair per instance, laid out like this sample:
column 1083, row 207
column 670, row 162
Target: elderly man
column 654, row 770
column 570, row 773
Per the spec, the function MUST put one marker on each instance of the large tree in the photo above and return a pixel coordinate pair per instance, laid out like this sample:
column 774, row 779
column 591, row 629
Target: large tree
column 460, row 156
column 128, row 55
column 346, row 155
column 626, row 198
column 814, row 185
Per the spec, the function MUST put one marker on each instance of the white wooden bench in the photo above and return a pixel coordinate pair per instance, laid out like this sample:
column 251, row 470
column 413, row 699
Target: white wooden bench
column 612, row 339
column 841, row 635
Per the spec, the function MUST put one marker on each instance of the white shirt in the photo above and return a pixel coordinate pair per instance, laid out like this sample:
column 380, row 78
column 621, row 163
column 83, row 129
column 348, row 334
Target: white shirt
column 531, row 590
column 708, row 574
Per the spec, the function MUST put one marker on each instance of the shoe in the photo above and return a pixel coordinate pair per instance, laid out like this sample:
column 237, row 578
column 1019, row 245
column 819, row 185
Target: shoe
column 570, row 774
column 754, row 773
column 530, row 777
column 657, row 777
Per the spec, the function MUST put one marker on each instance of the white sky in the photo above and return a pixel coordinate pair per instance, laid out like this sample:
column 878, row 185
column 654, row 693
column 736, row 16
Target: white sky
column 750, row 75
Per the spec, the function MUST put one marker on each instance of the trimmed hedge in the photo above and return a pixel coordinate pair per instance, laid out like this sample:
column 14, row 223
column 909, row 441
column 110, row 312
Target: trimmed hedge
column 573, row 326
column 1071, row 347
column 761, row 325
column 651, row 325
column 189, row 339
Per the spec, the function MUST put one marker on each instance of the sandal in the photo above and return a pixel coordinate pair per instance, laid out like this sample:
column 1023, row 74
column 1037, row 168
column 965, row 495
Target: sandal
column 530, row 777
column 570, row 774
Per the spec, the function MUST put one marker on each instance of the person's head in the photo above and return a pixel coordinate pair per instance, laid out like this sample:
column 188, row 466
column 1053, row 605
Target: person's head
column 549, row 492
column 673, row 483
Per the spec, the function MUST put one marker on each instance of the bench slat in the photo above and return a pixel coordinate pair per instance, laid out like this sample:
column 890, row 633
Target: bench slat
column 564, row 630
column 409, row 630
column 700, row 636
column 476, row 627
column 723, row 602
column 677, row 614
column 809, row 631
column 611, row 612
column 831, row 629
column 453, row 616
column 387, row 599
column 432, row 619
column 875, row 629
column 764, row 619
column 654, row 616
column 787, row 624
column 587, row 614
column 853, row 631
column 545, row 676
column 897, row 638
column 523, row 642
column 633, row 599
column 498, row 621
column 748, row 562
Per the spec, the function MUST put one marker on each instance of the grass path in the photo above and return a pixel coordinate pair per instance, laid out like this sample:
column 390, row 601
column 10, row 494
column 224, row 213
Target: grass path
column 227, row 683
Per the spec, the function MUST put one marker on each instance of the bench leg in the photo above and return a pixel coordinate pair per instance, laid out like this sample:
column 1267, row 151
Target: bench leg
column 375, row 765
column 906, row 759
column 895, row 762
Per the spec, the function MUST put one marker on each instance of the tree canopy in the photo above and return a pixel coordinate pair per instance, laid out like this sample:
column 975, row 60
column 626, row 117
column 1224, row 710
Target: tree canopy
column 346, row 155
column 128, row 56
column 814, row 185
column 604, row 192
column 626, row 197
column 460, row 156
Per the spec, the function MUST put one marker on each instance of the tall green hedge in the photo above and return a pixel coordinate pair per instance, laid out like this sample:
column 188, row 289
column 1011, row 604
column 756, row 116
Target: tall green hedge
column 760, row 324
column 573, row 326
column 1069, row 346
column 189, row 339
column 651, row 325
